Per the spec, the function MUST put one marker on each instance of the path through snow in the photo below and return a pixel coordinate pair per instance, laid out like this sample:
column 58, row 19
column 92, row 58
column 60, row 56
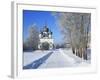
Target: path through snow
column 60, row 58
column 52, row 59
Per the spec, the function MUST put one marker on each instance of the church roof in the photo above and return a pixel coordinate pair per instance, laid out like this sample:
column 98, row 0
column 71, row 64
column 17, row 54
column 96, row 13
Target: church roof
column 46, row 29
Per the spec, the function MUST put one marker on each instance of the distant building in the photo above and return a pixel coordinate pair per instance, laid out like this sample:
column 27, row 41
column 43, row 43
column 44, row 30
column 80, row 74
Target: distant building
column 46, row 41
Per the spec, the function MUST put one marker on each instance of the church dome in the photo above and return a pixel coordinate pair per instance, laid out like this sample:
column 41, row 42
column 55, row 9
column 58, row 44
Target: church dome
column 45, row 29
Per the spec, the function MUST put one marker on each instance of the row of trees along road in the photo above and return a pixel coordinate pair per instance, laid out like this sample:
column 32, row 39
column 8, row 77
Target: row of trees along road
column 77, row 27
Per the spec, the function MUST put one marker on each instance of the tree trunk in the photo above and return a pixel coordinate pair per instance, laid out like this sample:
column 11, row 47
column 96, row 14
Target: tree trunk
column 85, row 53
column 73, row 49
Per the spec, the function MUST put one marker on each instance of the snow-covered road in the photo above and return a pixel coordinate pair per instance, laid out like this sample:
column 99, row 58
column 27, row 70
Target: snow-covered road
column 62, row 58
column 52, row 59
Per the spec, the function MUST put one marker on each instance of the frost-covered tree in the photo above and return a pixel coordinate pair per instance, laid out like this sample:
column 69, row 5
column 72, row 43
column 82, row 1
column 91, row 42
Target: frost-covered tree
column 31, row 43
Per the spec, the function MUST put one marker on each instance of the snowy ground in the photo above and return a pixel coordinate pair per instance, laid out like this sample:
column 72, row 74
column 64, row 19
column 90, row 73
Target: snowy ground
column 52, row 59
column 32, row 56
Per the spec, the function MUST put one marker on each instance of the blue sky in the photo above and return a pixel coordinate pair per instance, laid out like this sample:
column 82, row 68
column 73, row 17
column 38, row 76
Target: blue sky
column 40, row 18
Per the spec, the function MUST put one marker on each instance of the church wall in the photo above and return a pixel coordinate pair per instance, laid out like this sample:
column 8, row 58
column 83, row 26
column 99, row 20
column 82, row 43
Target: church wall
column 46, row 40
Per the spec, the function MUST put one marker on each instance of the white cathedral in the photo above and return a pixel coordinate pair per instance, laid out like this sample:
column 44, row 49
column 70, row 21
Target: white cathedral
column 46, row 41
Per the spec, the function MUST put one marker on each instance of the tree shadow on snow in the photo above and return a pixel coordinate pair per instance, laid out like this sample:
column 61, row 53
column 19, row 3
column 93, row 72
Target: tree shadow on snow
column 35, row 64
